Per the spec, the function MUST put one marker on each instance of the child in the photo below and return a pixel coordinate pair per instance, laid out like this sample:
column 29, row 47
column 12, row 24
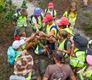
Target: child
column 51, row 10
column 71, row 14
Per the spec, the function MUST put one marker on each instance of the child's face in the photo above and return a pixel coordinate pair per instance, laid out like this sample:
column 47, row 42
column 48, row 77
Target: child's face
column 73, row 6
column 23, row 34
column 73, row 9
column 50, row 8
column 24, row 13
column 50, row 22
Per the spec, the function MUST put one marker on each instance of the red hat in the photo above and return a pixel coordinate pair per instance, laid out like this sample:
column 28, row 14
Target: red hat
column 47, row 18
column 64, row 21
column 50, row 5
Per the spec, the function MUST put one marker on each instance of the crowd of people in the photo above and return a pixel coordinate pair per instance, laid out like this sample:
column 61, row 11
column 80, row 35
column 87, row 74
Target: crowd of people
column 52, row 50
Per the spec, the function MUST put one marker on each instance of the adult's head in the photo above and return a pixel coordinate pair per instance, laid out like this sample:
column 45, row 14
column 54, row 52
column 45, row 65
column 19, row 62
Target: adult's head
column 80, row 42
column 48, row 19
column 50, row 5
column 17, row 44
column 57, row 57
column 37, row 11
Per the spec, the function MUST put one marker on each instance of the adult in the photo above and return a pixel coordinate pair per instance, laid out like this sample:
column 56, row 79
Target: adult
column 23, row 66
column 58, row 71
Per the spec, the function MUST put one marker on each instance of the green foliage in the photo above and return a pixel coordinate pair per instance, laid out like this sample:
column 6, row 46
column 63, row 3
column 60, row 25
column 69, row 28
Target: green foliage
column 7, row 11
column 2, row 5
column 24, row 4
column 2, row 2
column 6, row 20
column 1, row 8
column 87, row 13
column 8, row 16
column 9, row 2
column 43, row 4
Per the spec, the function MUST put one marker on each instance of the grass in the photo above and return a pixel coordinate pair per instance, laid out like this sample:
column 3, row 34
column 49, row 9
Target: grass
column 5, row 40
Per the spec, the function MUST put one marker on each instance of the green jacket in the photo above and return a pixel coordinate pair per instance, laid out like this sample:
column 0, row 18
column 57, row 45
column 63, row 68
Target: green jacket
column 38, row 21
column 79, row 59
column 22, row 21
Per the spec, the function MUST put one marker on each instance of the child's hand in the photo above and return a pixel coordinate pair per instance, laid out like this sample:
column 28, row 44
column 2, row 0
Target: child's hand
column 42, row 33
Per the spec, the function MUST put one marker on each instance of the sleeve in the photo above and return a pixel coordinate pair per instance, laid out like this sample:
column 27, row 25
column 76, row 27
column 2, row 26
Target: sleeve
column 47, row 73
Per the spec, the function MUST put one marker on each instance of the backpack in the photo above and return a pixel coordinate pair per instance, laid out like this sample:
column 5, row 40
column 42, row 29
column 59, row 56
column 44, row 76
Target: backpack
column 31, row 22
column 11, row 53
column 54, row 26
column 65, row 44
column 65, row 47
column 31, row 17
column 58, row 75
column 65, row 55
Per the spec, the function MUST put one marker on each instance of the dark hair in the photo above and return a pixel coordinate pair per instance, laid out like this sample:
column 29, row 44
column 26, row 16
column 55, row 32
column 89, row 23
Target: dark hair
column 58, row 56
column 24, row 12
column 64, row 34
column 69, row 9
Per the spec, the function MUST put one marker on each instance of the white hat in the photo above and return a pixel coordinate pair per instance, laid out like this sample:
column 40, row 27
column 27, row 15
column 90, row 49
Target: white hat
column 22, row 41
column 17, row 43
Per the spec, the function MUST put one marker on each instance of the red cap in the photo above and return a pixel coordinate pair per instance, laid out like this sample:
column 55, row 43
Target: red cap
column 64, row 21
column 16, row 37
column 50, row 5
column 47, row 18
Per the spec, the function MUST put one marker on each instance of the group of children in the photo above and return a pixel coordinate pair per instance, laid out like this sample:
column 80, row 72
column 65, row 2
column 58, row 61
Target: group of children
column 48, row 36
